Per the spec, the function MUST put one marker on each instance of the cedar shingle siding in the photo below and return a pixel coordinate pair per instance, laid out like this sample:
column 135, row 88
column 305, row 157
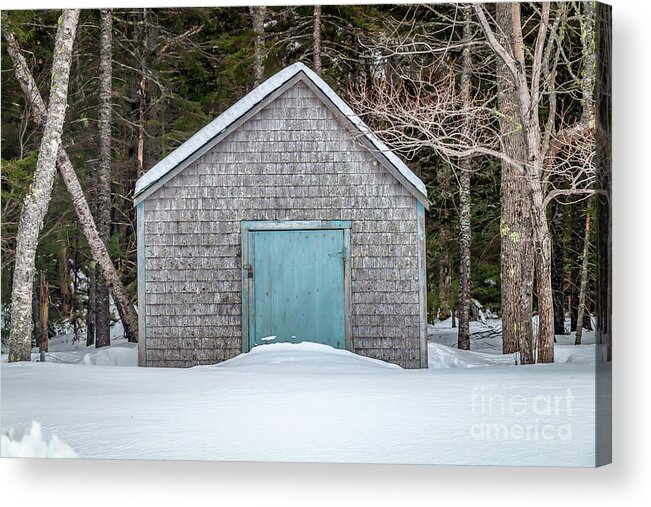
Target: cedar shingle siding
column 293, row 160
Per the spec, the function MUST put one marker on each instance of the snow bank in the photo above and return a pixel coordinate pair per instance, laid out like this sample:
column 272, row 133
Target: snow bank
column 64, row 349
column 305, row 356
column 441, row 356
column 311, row 403
column 307, row 402
column 113, row 356
column 15, row 443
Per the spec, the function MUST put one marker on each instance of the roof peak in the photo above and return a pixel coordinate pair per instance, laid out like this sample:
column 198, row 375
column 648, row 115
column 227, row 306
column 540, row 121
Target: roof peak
column 192, row 148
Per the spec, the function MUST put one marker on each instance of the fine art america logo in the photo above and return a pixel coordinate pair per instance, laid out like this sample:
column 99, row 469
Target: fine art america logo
column 497, row 416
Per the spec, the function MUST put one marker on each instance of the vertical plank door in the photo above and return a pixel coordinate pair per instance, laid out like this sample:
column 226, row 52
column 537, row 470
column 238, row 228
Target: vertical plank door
column 298, row 287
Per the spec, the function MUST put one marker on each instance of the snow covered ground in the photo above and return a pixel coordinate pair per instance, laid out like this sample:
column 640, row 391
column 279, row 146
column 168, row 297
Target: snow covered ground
column 18, row 443
column 64, row 350
column 308, row 402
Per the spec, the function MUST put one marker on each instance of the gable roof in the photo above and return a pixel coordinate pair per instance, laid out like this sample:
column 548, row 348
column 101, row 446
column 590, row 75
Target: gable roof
column 220, row 127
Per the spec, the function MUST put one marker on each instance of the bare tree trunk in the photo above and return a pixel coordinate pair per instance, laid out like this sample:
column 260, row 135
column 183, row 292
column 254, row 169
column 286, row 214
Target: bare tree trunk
column 103, row 188
column 444, row 262
column 558, row 265
column 142, row 92
column 100, row 255
column 523, row 207
column 63, row 266
column 76, row 314
column 463, row 340
column 445, row 273
column 91, row 274
column 98, row 250
column 43, row 321
column 527, row 87
column 91, row 271
column 91, row 307
column 258, row 13
column 142, row 107
column 584, row 279
column 35, row 312
column 545, row 344
column 589, row 60
column 526, row 335
column 465, row 168
column 587, row 22
column 38, row 197
column 316, row 36
column 535, row 171
column 516, row 259
column 579, row 211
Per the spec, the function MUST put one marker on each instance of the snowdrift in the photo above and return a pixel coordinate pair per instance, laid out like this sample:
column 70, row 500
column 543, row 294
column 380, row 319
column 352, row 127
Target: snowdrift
column 304, row 356
column 120, row 355
column 304, row 402
column 16, row 443
column 442, row 356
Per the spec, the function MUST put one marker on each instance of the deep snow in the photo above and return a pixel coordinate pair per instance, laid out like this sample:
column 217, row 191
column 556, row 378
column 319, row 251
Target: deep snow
column 309, row 402
column 30, row 444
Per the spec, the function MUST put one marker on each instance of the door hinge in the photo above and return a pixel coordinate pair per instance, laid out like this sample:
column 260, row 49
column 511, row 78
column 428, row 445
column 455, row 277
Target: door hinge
column 341, row 254
column 249, row 270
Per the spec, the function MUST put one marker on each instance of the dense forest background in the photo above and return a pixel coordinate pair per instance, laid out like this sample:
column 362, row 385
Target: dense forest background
column 174, row 70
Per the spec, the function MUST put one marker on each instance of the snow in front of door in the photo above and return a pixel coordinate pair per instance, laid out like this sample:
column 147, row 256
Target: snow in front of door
column 308, row 402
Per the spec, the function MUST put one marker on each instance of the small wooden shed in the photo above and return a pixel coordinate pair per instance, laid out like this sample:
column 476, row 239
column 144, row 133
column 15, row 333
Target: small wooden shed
column 283, row 220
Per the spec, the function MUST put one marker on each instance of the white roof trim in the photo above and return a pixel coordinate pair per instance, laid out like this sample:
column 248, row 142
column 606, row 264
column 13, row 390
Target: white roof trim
column 245, row 104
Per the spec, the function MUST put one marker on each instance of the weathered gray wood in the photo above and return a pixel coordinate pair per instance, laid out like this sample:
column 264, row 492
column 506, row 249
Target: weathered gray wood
column 422, row 286
column 298, row 119
column 278, row 166
column 142, row 284
column 217, row 139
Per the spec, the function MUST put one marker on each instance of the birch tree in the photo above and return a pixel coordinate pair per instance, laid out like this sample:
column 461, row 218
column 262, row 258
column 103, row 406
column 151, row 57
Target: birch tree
column 38, row 197
column 98, row 249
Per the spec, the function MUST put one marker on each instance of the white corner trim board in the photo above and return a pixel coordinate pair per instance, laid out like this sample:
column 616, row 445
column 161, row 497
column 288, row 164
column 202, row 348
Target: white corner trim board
column 157, row 173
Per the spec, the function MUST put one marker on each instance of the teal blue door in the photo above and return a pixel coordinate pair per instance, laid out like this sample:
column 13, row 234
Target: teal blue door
column 296, row 284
